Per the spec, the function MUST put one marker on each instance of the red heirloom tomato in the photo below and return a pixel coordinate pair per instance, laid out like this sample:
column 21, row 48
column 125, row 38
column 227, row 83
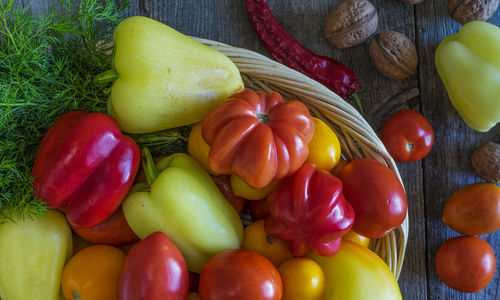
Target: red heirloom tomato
column 465, row 263
column 239, row 275
column 154, row 269
column 113, row 231
column 377, row 196
column 407, row 136
column 258, row 137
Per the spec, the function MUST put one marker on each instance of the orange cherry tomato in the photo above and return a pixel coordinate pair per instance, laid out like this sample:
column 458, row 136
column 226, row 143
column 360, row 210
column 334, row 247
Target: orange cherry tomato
column 474, row 209
column 465, row 263
column 324, row 148
column 198, row 148
column 92, row 274
column 255, row 239
column 357, row 238
column 113, row 231
column 302, row 279
column 242, row 189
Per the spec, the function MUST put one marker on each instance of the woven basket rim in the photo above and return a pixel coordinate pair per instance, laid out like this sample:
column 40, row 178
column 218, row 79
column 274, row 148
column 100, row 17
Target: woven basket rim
column 357, row 137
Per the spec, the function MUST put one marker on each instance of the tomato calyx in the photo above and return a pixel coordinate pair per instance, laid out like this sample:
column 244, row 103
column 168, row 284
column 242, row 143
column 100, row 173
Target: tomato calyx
column 263, row 118
column 76, row 295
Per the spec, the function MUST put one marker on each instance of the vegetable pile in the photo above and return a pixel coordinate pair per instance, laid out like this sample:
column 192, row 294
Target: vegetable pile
column 97, row 186
column 149, row 223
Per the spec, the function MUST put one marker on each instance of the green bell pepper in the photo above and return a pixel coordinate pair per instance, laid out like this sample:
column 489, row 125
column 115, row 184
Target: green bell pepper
column 32, row 256
column 183, row 202
column 469, row 65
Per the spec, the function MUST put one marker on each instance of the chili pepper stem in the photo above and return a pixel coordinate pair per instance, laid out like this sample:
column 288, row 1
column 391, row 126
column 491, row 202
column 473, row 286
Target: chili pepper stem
column 106, row 77
column 149, row 166
column 355, row 97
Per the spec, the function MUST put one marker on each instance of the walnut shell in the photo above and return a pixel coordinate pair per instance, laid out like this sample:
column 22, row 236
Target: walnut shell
column 464, row 11
column 350, row 23
column 486, row 162
column 394, row 55
column 412, row 1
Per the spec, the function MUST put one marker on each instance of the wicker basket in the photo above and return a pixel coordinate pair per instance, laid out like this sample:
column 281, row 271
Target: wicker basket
column 357, row 138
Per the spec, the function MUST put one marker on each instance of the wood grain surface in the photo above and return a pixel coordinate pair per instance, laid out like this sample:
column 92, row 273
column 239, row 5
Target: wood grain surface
column 429, row 182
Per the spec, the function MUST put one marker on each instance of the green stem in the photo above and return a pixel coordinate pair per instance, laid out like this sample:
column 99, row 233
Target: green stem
column 149, row 166
column 106, row 77
column 355, row 97
column 76, row 295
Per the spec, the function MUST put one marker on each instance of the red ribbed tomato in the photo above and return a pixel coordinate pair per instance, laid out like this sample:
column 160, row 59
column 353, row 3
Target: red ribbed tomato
column 258, row 137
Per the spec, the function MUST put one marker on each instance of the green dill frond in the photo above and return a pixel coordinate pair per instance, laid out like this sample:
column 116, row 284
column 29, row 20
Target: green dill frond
column 47, row 66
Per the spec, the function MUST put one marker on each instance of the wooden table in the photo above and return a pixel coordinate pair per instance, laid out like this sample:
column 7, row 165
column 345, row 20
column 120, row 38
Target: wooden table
column 429, row 182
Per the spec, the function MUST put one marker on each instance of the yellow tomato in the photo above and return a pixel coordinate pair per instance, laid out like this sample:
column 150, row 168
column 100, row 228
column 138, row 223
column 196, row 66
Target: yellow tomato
column 302, row 279
column 93, row 273
column 324, row 148
column 356, row 273
column 357, row 238
column 242, row 189
column 193, row 296
column 198, row 148
column 256, row 240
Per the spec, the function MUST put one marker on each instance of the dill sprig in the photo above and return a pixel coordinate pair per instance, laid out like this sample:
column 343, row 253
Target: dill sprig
column 47, row 66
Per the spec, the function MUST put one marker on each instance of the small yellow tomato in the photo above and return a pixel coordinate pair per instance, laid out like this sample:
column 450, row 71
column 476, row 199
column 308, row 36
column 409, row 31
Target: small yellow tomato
column 357, row 238
column 255, row 239
column 198, row 148
column 324, row 148
column 356, row 273
column 242, row 189
column 93, row 273
column 302, row 279
column 193, row 296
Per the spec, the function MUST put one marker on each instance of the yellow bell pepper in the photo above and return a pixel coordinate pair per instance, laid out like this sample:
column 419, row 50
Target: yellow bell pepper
column 324, row 148
column 469, row 65
column 356, row 273
column 166, row 79
column 32, row 256
column 184, row 203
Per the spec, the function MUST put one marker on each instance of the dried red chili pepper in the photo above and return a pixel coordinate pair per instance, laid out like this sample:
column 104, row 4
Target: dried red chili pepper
column 286, row 50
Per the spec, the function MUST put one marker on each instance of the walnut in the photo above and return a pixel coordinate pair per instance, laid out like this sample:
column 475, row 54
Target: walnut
column 350, row 22
column 486, row 162
column 394, row 55
column 412, row 1
column 464, row 11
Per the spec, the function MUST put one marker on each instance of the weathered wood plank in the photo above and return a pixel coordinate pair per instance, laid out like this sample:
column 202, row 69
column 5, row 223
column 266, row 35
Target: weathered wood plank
column 448, row 166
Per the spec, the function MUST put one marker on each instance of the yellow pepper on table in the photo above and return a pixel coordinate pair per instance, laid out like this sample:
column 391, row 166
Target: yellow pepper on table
column 32, row 256
column 469, row 65
column 183, row 202
column 165, row 78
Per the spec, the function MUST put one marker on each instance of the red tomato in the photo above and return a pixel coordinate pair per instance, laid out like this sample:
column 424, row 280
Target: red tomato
column 258, row 137
column 239, row 275
column 407, row 135
column 154, row 269
column 465, row 263
column 377, row 196
column 113, row 231
column 258, row 209
column 223, row 182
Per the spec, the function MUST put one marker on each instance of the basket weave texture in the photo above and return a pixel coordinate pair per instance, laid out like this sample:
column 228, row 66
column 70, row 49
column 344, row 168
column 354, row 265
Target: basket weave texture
column 356, row 137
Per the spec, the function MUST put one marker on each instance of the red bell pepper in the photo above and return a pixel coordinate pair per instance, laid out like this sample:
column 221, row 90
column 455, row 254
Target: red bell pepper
column 309, row 210
column 154, row 269
column 85, row 167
